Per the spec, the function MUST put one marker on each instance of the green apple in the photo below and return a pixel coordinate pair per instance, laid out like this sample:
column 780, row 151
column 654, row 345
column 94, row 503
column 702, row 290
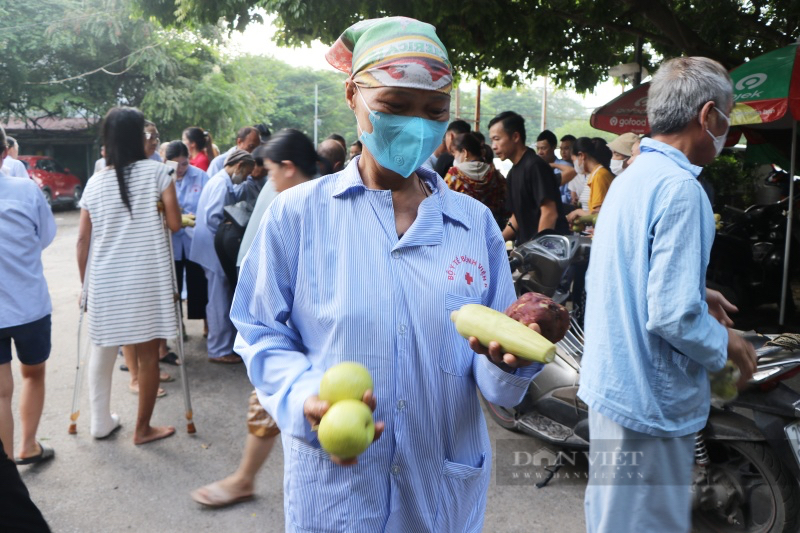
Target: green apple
column 347, row 429
column 345, row 381
column 723, row 382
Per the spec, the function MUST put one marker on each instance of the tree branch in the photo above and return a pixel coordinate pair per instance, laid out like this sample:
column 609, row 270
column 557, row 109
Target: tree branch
column 674, row 29
column 621, row 28
column 754, row 23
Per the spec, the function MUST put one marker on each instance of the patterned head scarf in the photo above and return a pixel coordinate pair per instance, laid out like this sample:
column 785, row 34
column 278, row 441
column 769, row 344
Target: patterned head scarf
column 393, row 52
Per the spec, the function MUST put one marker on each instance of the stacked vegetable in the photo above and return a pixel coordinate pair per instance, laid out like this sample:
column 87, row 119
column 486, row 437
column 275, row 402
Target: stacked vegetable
column 580, row 223
column 511, row 330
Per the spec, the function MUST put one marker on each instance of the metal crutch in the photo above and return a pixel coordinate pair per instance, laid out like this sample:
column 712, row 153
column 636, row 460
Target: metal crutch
column 76, row 392
column 187, row 401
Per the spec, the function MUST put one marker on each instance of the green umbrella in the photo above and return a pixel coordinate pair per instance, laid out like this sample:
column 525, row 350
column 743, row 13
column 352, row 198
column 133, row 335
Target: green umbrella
column 766, row 91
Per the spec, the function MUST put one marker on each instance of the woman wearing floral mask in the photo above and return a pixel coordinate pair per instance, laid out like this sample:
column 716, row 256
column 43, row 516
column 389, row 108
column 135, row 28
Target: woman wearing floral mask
column 366, row 265
column 475, row 176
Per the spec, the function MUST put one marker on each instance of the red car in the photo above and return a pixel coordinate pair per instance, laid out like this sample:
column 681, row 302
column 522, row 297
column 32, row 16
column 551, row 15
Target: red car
column 58, row 185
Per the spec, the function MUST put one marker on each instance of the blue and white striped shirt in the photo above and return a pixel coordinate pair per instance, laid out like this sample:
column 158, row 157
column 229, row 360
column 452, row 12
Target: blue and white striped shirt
column 327, row 280
column 189, row 189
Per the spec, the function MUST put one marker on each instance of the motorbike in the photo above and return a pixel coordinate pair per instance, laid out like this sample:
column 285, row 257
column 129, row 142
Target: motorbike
column 747, row 456
column 746, row 263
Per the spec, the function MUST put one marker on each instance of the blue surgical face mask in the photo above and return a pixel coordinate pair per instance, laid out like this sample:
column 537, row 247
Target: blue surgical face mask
column 399, row 143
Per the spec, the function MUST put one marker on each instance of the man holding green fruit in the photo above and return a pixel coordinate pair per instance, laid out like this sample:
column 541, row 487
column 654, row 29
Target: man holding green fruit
column 653, row 331
column 366, row 266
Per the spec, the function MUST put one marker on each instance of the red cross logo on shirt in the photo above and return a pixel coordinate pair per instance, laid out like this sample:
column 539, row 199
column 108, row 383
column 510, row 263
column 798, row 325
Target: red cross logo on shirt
column 468, row 278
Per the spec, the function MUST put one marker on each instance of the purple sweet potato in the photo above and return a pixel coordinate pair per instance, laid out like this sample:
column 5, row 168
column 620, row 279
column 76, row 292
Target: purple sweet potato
column 553, row 319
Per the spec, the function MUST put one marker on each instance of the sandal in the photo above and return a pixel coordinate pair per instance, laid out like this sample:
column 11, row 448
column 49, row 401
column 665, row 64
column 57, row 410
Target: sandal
column 163, row 377
column 45, row 453
column 171, row 359
column 214, row 496
column 135, row 391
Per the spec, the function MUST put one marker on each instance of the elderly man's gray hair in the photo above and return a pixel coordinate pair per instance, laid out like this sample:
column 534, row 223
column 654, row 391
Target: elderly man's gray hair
column 681, row 87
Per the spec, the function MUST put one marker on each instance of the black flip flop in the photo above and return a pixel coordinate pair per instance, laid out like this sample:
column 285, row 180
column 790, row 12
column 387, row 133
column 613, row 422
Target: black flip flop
column 171, row 359
column 46, row 453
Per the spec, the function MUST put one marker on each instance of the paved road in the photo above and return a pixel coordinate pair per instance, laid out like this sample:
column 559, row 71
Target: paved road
column 114, row 486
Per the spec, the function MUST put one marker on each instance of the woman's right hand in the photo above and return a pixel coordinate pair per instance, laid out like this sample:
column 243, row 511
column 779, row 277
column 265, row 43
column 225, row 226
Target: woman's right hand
column 314, row 409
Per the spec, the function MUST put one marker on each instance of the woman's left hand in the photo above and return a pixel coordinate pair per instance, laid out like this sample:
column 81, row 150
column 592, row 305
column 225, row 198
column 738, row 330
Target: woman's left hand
column 495, row 352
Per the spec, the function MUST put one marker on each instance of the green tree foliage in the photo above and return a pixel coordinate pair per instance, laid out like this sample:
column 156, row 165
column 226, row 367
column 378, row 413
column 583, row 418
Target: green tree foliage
column 581, row 128
column 527, row 101
column 503, row 41
column 292, row 91
column 70, row 58
column 103, row 54
column 732, row 179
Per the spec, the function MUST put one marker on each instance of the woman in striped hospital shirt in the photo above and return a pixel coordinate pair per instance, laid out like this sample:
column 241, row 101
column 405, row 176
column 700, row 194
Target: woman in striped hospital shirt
column 366, row 265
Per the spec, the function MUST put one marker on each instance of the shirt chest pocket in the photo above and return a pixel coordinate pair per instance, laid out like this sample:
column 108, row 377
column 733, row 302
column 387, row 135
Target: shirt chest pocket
column 456, row 356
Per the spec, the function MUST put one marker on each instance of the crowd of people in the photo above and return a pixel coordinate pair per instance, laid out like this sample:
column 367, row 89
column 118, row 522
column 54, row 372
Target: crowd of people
column 299, row 257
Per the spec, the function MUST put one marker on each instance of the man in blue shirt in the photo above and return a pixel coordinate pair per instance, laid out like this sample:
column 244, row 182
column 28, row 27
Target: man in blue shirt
column 652, row 329
column 27, row 227
column 247, row 139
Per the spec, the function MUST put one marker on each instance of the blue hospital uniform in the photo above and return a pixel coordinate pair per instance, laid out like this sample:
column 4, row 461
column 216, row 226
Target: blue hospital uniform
column 649, row 338
column 217, row 193
column 189, row 188
column 325, row 280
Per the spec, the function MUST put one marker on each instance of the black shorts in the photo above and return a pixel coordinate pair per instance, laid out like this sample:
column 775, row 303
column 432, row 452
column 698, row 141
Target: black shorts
column 32, row 341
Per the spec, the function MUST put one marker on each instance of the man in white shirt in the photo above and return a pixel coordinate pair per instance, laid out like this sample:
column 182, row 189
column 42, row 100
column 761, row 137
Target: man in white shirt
column 11, row 165
column 247, row 139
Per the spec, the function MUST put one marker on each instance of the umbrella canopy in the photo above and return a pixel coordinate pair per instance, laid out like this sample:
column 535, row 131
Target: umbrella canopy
column 767, row 89
column 627, row 112
column 767, row 95
column 766, row 110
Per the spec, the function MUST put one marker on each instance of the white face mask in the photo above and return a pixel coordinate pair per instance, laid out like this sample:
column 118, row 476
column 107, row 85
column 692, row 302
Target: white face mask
column 719, row 141
column 617, row 166
column 237, row 178
column 578, row 166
